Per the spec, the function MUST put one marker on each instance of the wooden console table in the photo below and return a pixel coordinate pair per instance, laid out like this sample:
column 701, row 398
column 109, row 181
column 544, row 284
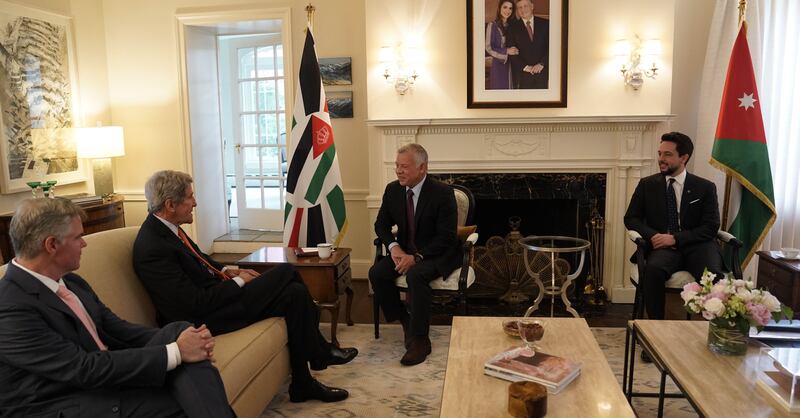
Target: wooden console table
column 781, row 277
column 100, row 216
column 326, row 279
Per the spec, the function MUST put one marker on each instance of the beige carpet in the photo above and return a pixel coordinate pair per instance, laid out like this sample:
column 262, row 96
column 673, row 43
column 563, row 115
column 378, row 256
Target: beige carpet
column 380, row 387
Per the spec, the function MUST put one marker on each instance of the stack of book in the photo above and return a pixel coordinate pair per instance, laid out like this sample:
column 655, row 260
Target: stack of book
column 84, row 199
column 517, row 365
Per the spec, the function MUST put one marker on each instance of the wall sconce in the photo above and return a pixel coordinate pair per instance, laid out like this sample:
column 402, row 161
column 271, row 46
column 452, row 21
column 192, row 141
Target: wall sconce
column 100, row 144
column 399, row 66
column 632, row 54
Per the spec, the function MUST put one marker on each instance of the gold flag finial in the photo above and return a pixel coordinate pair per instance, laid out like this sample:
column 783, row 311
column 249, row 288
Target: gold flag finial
column 742, row 7
column 310, row 15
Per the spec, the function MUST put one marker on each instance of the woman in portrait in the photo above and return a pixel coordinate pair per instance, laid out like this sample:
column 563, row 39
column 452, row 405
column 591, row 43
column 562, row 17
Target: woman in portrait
column 500, row 70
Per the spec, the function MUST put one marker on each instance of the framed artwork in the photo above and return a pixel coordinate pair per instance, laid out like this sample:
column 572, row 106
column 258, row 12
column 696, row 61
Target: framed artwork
column 37, row 99
column 336, row 71
column 340, row 104
column 517, row 53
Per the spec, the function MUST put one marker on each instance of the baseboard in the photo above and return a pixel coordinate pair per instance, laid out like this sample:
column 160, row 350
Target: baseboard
column 623, row 295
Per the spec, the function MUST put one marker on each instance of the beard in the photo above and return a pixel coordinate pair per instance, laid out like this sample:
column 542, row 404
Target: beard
column 669, row 170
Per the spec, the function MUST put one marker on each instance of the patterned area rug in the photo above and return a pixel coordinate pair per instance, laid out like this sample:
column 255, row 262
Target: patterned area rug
column 380, row 387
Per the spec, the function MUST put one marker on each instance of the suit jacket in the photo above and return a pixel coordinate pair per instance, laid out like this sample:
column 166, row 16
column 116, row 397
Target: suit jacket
column 530, row 53
column 436, row 217
column 181, row 288
column 49, row 363
column 699, row 212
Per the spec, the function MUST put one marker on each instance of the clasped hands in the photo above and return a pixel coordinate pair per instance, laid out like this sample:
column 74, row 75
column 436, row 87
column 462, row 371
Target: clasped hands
column 402, row 261
column 246, row 274
column 196, row 344
column 662, row 241
column 533, row 69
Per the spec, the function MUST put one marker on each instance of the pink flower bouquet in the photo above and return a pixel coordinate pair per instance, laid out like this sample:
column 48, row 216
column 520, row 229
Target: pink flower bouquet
column 733, row 303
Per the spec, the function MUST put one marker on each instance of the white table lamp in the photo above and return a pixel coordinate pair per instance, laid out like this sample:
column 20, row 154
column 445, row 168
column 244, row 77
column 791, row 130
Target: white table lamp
column 101, row 144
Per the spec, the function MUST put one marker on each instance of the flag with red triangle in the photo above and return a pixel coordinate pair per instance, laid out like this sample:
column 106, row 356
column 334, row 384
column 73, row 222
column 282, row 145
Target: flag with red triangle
column 740, row 150
column 315, row 211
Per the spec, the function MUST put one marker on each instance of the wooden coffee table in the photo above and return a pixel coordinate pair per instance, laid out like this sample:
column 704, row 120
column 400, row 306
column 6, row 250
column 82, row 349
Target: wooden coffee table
column 326, row 279
column 715, row 385
column 470, row 393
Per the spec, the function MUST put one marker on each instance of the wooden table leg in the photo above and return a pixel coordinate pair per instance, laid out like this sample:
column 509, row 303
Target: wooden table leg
column 349, row 306
column 333, row 308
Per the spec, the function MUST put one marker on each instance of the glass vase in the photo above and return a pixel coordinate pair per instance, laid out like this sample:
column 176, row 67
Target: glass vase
column 726, row 340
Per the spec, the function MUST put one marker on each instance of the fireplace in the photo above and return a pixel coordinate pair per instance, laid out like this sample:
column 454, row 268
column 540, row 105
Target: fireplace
column 554, row 170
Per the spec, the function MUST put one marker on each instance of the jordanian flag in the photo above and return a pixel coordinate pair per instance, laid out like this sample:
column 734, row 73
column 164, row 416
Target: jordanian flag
column 740, row 150
column 315, row 211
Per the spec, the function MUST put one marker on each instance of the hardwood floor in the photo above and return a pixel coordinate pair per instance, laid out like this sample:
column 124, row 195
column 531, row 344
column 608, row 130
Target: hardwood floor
column 612, row 315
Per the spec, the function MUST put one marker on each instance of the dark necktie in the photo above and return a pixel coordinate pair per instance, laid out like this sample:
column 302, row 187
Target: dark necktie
column 185, row 239
column 530, row 29
column 672, row 209
column 412, row 227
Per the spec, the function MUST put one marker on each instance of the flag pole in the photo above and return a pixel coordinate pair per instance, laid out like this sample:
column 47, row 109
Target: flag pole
column 726, row 205
column 310, row 15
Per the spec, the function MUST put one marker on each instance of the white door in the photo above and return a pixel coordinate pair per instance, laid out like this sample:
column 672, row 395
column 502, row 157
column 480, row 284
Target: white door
column 259, row 124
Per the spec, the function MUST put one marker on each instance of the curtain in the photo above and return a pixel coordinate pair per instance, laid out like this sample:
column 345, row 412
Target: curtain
column 776, row 24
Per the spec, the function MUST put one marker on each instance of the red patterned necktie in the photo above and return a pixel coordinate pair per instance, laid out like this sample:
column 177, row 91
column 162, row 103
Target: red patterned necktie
column 412, row 227
column 71, row 300
column 220, row 275
column 530, row 29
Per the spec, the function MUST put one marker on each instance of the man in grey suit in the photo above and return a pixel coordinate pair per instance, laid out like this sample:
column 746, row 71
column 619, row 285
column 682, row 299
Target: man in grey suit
column 63, row 353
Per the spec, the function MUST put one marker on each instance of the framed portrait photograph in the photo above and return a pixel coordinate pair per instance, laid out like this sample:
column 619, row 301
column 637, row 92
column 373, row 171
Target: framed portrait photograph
column 38, row 103
column 517, row 53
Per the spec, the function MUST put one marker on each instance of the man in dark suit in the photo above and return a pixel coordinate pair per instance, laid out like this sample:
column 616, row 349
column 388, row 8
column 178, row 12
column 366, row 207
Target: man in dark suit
column 424, row 211
column 531, row 36
column 186, row 284
column 63, row 353
column 677, row 214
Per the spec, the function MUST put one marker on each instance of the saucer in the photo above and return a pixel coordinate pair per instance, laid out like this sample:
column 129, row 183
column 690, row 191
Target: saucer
column 781, row 255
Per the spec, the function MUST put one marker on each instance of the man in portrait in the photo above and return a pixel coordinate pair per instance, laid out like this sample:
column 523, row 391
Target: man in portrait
column 530, row 35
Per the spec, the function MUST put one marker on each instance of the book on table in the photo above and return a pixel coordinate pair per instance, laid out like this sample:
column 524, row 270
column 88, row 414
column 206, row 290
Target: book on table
column 517, row 365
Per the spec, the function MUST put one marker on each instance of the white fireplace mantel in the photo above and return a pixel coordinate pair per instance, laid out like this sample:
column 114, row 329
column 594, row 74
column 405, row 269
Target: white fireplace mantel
column 622, row 147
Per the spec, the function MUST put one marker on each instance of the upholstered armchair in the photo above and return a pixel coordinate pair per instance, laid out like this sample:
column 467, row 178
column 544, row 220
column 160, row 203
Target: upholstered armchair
column 680, row 278
column 456, row 284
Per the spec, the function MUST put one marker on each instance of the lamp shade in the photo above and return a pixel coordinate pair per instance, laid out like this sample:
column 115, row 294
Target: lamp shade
column 100, row 142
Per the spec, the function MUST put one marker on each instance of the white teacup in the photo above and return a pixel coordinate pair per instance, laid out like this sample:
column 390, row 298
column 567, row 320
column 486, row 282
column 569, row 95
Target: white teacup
column 324, row 250
column 790, row 252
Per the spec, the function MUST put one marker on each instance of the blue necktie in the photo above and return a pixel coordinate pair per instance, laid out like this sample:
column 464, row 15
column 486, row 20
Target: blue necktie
column 672, row 209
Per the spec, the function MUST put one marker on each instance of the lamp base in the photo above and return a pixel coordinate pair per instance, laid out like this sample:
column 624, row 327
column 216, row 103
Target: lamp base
column 103, row 179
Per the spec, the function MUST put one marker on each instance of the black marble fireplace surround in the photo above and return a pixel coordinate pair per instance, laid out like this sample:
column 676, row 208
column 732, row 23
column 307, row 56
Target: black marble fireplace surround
column 548, row 203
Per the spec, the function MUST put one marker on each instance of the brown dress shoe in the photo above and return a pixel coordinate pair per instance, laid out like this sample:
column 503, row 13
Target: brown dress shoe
column 418, row 350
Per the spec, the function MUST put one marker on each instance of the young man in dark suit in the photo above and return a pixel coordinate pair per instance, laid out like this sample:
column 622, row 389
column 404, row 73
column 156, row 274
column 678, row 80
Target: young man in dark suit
column 425, row 213
column 677, row 214
column 186, row 284
column 63, row 353
column 531, row 36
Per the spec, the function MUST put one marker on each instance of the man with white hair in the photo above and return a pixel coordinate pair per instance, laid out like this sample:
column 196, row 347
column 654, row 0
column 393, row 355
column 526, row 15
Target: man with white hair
column 186, row 284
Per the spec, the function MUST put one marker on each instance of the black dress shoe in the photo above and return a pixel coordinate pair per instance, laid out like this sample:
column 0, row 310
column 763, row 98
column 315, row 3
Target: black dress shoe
column 335, row 357
column 318, row 391
column 645, row 357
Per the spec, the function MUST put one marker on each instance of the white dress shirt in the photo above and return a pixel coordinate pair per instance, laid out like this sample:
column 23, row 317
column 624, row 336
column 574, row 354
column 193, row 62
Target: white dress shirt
column 417, row 189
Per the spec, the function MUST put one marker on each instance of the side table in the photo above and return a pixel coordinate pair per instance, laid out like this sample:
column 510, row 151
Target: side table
column 326, row 279
column 781, row 277
column 553, row 245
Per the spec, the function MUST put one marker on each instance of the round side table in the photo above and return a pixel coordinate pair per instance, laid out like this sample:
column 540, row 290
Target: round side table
column 554, row 245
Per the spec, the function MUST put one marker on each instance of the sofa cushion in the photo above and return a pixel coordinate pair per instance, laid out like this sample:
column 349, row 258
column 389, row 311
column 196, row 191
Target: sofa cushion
column 241, row 355
column 107, row 264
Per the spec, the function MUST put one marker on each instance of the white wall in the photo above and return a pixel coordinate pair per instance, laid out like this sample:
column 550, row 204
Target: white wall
column 594, row 83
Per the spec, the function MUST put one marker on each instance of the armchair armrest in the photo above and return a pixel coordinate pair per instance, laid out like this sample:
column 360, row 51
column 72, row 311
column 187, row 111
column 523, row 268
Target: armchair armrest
column 466, row 260
column 735, row 244
column 636, row 238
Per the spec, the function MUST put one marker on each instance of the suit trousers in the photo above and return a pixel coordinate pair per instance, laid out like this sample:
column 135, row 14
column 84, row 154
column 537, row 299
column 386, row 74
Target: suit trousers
column 662, row 263
column 382, row 276
column 295, row 304
column 195, row 389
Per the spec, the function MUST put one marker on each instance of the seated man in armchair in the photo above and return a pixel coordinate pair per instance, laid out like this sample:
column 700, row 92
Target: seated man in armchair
column 425, row 213
column 677, row 213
